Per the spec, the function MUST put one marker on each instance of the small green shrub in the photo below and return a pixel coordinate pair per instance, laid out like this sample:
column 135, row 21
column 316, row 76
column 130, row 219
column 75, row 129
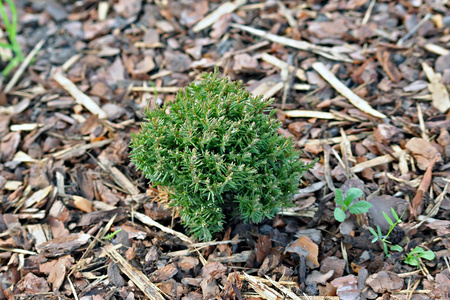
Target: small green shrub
column 342, row 205
column 220, row 154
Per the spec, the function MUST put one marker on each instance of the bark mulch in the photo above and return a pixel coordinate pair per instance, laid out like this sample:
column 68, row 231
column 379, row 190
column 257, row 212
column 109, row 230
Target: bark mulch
column 363, row 85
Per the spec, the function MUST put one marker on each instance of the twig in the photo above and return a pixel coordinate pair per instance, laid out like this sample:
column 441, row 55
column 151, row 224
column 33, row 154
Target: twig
column 345, row 91
column 170, row 89
column 421, row 122
column 310, row 189
column 262, row 289
column 23, row 66
column 287, row 13
column 245, row 50
column 302, row 45
column 415, row 28
column 327, row 170
column 281, row 64
column 80, row 97
column 214, row 243
column 72, row 288
column 268, row 93
column 310, row 114
column 368, row 12
column 149, row 221
column 335, row 140
column 436, row 49
column 135, row 275
column 287, row 78
column 376, row 162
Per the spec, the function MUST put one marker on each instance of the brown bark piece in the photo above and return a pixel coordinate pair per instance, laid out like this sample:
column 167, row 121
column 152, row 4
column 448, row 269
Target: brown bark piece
column 105, row 216
column 63, row 244
column 383, row 281
column 59, row 270
column 333, row 263
column 163, row 274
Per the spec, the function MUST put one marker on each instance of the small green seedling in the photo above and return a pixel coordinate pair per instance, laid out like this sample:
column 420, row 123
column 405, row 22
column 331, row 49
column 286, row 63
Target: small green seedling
column 413, row 257
column 112, row 234
column 378, row 235
column 342, row 205
column 11, row 29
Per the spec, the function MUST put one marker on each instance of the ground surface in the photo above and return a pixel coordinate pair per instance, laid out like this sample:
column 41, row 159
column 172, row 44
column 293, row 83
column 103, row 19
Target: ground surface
column 67, row 181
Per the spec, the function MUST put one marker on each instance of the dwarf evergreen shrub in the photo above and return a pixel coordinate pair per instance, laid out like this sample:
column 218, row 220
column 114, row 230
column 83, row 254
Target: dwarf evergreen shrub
column 218, row 150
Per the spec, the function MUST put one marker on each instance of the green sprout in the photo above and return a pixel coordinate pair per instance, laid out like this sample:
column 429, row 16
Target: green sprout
column 11, row 29
column 342, row 205
column 413, row 257
column 378, row 235
column 112, row 234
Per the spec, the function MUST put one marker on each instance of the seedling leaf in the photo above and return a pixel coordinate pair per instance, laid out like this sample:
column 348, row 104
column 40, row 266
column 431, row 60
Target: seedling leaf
column 352, row 194
column 339, row 214
column 385, row 248
column 338, row 197
column 416, row 250
column 373, row 233
column 429, row 255
column 412, row 260
column 388, row 219
column 394, row 213
column 396, row 248
column 360, row 207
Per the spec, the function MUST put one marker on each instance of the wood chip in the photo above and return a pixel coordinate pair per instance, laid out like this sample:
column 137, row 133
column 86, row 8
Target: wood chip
column 267, row 89
column 66, row 153
column 83, row 204
column 118, row 176
column 38, row 196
